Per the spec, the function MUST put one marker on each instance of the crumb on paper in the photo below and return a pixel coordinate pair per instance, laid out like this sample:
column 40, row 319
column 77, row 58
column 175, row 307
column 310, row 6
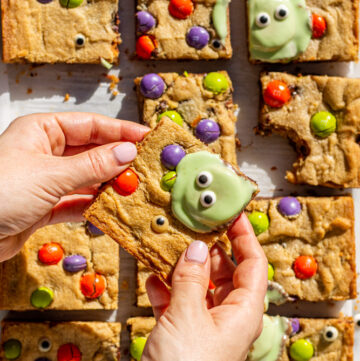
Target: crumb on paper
column 273, row 168
column 58, row 77
column 125, row 285
column 114, row 81
column 29, row 91
column 66, row 97
column 237, row 143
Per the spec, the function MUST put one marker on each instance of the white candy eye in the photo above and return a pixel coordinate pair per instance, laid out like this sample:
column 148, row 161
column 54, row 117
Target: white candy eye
column 45, row 345
column 204, row 179
column 79, row 40
column 330, row 333
column 282, row 12
column 263, row 20
column 357, row 320
column 207, row 199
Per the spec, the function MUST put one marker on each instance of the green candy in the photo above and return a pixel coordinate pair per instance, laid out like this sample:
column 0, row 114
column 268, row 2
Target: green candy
column 168, row 181
column 12, row 349
column 323, row 124
column 42, row 297
column 301, row 350
column 137, row 347
column 173, row 115
column 259, row 221
column 216, row 82
column 271, row 272
column 71, row 3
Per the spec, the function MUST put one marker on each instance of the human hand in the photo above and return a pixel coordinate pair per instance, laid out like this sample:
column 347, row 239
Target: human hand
column 51, row 166
column 192, row 324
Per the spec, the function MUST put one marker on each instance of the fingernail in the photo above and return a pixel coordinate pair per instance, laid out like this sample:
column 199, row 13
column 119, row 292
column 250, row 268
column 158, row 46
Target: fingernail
column 197, row 252
column 125, row 152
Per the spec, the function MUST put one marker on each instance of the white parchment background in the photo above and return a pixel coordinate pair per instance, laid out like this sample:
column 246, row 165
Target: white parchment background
column 24, row 90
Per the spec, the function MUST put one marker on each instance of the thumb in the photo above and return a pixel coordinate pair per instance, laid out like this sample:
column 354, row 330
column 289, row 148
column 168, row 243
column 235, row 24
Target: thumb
column 190, row 280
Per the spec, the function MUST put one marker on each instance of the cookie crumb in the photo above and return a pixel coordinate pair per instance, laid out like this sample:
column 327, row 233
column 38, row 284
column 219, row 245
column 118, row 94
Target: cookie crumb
column 66, row 97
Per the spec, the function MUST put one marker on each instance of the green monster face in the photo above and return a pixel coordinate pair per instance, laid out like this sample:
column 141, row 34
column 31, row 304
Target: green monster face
column 279, row 29
column 208, row 193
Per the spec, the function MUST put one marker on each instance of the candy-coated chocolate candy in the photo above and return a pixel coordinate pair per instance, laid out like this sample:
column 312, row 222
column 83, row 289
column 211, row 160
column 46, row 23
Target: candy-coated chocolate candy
column 137, row 347
column 277, row 94
column 330, row 333
column 126, row 183
column 301, row 350
column 71, row 3
column 50, row 253
column 357, row 320
column 207, row 131
column 181, row 9
column 145, row 21
column 92, row 285
column 211, row 285
column 259, row 221
column 323, row 124
column 197, row 37
column 168, row 181
column 159, row 224
column 45, row 345
column 305, row 267
column 42, row 297
column 74, row 263
column 171, row 155
column 12, row 349
column 44, row 1
column 93, row 230
column 289, row 206
column 295, row 326
column 173, row 115
column 152, row 86
column 145, row 46
column 271, row 272
column 318, row 26
column 216, row 82
column 68, row 352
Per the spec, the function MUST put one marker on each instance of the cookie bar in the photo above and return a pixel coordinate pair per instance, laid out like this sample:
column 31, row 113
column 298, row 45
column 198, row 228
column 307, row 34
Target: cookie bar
column 175, row 192
column 319, row 115
column 200, row 103
column 183, row 29
column 302, row 30
column 60, row 31
column 309, row 243
column 90, row 341
column 142, row 275
column 66, row 267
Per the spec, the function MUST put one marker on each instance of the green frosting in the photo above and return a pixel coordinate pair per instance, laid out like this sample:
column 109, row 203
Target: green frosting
column 280, row 37
column 219, row 17
column 228, row 192
column 275, row 294
column 269, row 345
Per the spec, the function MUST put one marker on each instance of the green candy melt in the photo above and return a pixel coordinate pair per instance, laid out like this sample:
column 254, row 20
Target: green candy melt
column 173, row 115
column 71, row 3
column 271, row 272
column 12, row 349
column 137, row 347
column 216, row 82
column 42, row 297
column 323, row 124
column 168, row 181
column 219, row 18
column 301, row 350
column 259, row 221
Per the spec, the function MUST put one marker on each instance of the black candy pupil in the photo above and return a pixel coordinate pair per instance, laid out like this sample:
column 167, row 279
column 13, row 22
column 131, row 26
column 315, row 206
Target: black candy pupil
column 208, row 199
column 160, row 221
column 358, row 322
column 203, row 179
column 329, row 334
column 263, row 19
column 80, row 41
column 216, row 44
column 282, row 13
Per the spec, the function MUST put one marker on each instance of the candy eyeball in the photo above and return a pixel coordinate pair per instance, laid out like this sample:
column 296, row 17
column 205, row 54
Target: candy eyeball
column 216, row 44
column 207, row 199
column 45, row 345
column 357, row 320
column 79, row 40
column 330, row 333
column 282, row 12
column 204, row 179
column 263, row 20
column 159, row 224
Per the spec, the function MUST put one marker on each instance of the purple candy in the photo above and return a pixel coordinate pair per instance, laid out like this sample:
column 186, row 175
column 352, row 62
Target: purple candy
column 172, row 155
column 197, row 37
column 44, row 1
column 74, row 263
column 207, row 131
column 295, row 324
column 94, row 230
column 145, row 21
column 152, row 86
column 289, row 206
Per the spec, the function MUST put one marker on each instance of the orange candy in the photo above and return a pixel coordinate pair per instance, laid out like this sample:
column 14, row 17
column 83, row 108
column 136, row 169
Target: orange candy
column 181, row 9
column 50, row 253
column 68, row 352
column 318, row 26
column 277, row 94
column 211, row 285
column 145, row 46
column 305, row 267
column 92, row 285
column 126, row 183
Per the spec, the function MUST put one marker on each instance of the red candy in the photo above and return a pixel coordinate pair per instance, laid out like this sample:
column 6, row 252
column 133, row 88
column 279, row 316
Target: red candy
column 50, row 253
column 277, row 94
column 145, row 46
column 68, row 352
column 211, row 285
column 318, row 26
column 305, row 267
column 92, row 285
column 126, row 183
column 181, row 9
